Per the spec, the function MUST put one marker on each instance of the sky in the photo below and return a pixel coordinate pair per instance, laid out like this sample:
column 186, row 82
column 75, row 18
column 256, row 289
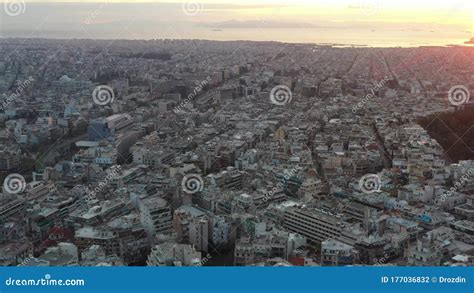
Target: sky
column 443, row 22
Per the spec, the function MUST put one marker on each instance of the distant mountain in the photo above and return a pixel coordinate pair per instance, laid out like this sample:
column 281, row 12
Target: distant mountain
column 470, row 42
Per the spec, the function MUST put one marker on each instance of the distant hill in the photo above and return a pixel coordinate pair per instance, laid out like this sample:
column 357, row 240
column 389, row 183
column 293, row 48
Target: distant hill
column 454, row 131
column 470, row 42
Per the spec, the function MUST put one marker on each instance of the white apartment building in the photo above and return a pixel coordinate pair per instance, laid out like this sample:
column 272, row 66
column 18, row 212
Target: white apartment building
column 316, row 225
column 155, row 216
column 172, row 254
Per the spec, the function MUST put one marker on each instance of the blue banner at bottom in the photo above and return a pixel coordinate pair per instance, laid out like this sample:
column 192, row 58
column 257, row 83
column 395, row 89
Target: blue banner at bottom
column 248, row 279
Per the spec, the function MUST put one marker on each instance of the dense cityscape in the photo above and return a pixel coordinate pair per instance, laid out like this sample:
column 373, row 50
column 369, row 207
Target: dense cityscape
column 234, row 153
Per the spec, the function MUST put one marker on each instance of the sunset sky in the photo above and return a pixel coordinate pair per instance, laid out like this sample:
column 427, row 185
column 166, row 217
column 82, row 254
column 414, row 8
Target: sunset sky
column 451, row 12
column 449, row 20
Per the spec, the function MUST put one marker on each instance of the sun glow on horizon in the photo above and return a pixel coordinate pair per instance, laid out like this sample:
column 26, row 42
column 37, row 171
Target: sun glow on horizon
column 434, row 21
column 437, row 12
